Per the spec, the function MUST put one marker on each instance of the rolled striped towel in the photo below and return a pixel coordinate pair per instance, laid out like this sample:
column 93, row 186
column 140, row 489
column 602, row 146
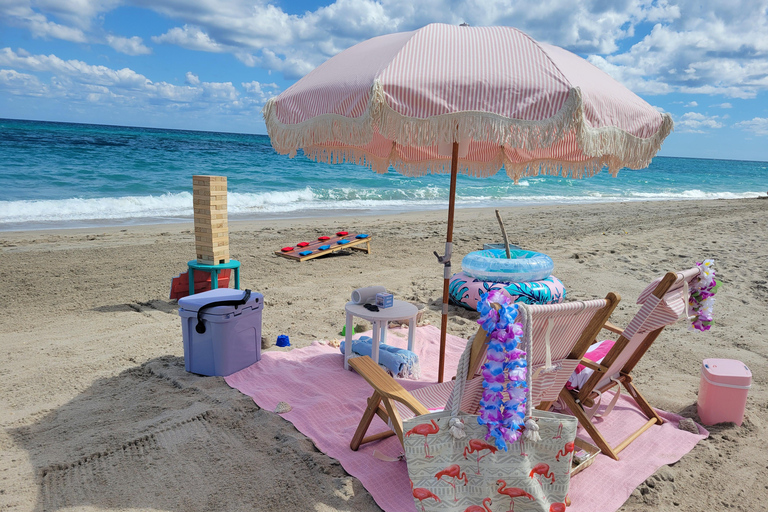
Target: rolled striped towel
column 400, row 362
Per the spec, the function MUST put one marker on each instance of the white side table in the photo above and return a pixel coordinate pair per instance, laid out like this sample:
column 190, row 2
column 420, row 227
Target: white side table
column 400, row 310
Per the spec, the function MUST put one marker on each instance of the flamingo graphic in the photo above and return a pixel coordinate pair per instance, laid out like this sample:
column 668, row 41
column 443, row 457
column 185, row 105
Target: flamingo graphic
column 568, row 448
column 559, row 432
column 478, row 508
column 453, row 471
column 424, row 430
column 542, row 470
column 422, row 494
column 522, row 447
column 557, row 507
column 512, row 493
column 477, row 445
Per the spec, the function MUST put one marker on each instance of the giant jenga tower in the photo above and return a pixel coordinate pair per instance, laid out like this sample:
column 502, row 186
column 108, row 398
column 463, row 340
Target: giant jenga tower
column 209, row 198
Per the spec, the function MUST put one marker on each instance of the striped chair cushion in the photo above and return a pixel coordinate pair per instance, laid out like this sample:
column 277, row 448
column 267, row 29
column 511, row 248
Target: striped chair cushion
column 436, row 397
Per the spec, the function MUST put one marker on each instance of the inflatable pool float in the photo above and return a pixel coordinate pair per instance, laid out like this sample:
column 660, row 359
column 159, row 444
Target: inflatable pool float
column 493, row 265
column 466, row 290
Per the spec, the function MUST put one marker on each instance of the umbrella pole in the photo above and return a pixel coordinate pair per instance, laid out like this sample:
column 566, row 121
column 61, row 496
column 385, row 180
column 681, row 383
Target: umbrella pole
column 446, row 260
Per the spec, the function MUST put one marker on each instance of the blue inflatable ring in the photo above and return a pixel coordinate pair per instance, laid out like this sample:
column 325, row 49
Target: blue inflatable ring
column 493, row 265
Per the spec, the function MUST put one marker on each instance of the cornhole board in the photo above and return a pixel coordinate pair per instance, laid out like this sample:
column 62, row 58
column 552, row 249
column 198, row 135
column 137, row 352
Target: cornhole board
column 180, row 283
column 357, row 244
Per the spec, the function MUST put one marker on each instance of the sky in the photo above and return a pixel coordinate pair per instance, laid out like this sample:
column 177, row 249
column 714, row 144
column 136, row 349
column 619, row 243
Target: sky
column 212, row 64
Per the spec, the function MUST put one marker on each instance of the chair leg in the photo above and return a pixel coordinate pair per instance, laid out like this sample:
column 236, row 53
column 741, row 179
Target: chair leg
column 640, row 400
column 585, row 422
column 365, row 421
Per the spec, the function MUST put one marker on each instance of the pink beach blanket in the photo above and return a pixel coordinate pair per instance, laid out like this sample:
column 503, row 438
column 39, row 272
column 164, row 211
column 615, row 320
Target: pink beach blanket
column 328, row 403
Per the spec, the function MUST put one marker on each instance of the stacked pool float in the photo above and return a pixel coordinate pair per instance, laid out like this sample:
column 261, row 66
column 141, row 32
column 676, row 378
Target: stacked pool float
column 525, row 277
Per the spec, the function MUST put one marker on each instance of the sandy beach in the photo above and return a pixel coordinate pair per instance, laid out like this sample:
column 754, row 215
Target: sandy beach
column 92, row 373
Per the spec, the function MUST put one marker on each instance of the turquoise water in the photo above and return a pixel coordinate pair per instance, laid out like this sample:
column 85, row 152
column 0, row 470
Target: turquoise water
column 59, row 175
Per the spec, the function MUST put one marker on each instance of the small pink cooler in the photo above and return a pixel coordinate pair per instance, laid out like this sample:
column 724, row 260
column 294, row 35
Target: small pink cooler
column 723, row 391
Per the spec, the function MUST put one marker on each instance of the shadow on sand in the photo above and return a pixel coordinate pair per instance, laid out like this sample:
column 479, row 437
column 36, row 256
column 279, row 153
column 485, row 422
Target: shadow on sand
column 156, row 437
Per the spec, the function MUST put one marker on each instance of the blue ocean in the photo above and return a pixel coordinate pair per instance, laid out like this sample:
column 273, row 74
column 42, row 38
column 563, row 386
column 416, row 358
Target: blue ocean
column 61, row 175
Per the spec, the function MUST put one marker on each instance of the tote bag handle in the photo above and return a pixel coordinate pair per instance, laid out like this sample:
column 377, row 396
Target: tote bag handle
column 531, row 428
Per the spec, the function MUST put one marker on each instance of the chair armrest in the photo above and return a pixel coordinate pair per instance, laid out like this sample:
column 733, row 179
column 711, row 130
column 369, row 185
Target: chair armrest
column 385, row 385
column 593, row 365
column 613, row 328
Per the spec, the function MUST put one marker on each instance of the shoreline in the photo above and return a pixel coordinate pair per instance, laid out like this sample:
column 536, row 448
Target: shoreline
column 94, row 387
column 311, row 214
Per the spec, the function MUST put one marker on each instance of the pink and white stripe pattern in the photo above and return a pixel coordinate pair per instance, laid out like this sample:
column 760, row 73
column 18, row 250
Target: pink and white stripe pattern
column 401, row 99
column 653, row 314
column 569, row 320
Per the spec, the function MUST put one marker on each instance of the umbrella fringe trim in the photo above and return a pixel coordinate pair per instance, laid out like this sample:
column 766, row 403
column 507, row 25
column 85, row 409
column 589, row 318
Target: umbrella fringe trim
column 288, row 138
column 516, row 171
column 613, row 147
column 624, row 149
column 406, row 131
column 472, row 125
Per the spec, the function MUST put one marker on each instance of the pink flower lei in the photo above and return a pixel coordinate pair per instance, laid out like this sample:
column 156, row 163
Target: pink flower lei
column 701, row 299
column 506, row 365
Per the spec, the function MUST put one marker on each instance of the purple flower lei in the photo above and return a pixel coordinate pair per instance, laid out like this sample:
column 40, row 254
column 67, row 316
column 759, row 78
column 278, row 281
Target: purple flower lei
column 701, row 299
column 506, row 365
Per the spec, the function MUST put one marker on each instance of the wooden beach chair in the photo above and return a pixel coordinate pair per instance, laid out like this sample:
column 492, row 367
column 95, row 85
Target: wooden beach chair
column 570, row 328
column 663, row 302
column 317, row 248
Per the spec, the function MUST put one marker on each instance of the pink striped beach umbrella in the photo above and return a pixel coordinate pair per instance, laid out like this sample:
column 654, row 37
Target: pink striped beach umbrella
column 465, row 99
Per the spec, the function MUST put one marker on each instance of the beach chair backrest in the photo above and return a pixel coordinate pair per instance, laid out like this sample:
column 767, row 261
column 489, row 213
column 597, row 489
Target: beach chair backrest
column 652, row 317
column 566, row 329
column 570, row 328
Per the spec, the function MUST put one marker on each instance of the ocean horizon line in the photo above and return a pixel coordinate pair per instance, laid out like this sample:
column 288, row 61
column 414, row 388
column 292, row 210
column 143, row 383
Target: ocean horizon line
column 216, row 132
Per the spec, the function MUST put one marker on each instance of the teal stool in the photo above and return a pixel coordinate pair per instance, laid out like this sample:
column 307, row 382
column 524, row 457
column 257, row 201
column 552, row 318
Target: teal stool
column 214, row 271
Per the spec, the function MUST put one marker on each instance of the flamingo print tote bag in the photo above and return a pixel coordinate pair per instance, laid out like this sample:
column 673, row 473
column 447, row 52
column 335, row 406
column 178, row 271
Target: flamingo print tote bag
column 457, row 469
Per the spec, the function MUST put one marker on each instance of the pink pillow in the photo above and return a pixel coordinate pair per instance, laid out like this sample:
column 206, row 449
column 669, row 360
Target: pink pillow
column 597, row 351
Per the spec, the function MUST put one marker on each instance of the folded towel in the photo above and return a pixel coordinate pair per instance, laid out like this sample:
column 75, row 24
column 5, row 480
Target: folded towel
column 367, row 294
column 399, row 362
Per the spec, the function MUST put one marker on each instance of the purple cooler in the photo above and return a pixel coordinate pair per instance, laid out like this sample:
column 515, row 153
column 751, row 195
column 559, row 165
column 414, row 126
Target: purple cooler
column 222, row 330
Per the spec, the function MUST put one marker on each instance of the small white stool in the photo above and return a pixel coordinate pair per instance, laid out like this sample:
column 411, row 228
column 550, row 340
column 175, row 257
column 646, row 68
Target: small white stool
column 400, row 310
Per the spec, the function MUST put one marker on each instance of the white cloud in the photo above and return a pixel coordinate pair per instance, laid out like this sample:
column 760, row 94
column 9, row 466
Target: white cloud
column 128, row 45
column 692, row 104
column 695, row 47
column 723, row 105
column 259, row 91
column 712, row 48
column 189, row 37
column 192, row 79
column 19, row 13
column 79, row 81
column 21, row 84
column 693, row 122
column 757, row 125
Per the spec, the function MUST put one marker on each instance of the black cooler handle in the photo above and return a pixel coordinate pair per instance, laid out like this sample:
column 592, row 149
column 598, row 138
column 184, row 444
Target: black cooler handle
column 200, row 327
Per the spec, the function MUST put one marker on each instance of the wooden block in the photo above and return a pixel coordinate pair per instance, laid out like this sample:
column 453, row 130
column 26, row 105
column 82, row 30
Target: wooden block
column 209, row 203
column 208, row 180
column 212, row 229
column 208, row 216
column 216, row 257
column 204, row 242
